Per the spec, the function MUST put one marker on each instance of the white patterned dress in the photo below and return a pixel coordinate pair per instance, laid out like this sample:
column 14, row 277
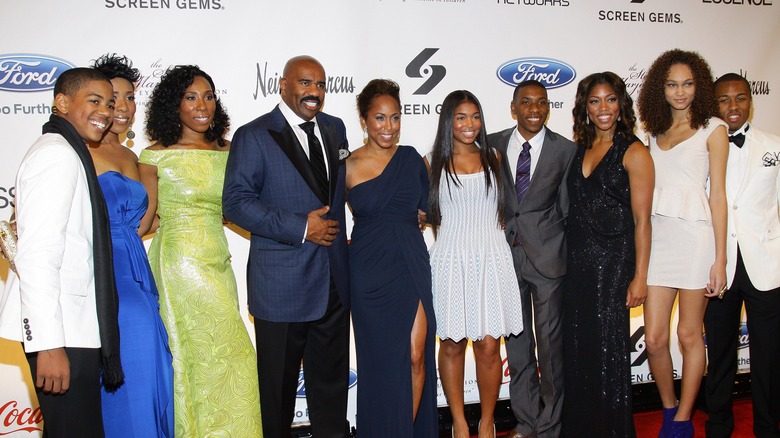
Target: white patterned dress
column 475, row 290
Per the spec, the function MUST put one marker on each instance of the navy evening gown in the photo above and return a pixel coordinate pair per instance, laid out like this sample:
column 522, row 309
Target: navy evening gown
column 390, row 275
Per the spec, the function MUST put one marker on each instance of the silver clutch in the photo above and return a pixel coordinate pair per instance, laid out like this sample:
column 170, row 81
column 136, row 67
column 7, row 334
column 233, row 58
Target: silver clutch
column 8, row 242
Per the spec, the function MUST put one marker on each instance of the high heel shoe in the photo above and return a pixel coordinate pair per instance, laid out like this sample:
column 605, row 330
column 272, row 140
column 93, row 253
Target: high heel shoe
column 453, row 431
column 668, row 414
column 479, row 427
column 681, row 429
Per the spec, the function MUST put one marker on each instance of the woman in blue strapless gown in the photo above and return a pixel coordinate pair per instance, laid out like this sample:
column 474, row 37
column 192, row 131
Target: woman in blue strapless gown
column 392, row 304
column 143, row 405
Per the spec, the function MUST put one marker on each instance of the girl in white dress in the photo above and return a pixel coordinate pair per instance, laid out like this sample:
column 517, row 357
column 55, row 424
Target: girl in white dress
column 688, row 251
column 475, row 292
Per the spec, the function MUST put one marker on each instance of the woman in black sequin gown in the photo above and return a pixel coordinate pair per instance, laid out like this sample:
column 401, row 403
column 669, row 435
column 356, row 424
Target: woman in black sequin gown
column 608, row 238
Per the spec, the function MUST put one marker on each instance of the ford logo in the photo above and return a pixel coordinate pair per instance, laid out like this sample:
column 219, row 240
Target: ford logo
column 301, row 393
column 29, row 72
column 550, row 72
column 744, row 336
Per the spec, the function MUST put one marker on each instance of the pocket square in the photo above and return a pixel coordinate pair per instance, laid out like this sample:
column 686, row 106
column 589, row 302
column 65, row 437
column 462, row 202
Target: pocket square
column 771, row 159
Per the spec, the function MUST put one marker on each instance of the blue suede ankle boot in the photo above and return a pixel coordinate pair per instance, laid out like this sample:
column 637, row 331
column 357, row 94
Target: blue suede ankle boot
column 669, row 414
column 681, row 429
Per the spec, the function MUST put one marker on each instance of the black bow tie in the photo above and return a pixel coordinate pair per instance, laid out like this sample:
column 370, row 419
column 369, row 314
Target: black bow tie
column 737, row 139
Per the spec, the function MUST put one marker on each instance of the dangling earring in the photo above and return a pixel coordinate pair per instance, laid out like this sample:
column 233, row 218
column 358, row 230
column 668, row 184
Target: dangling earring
column 130, row 136
column 365, row 135
column 587, row 120
column 619, row 118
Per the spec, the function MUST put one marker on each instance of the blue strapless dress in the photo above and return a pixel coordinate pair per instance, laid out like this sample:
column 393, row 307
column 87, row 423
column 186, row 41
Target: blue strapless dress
column 143, row 405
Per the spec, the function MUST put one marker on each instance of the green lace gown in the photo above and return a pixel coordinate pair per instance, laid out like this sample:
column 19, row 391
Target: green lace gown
column 214, row 362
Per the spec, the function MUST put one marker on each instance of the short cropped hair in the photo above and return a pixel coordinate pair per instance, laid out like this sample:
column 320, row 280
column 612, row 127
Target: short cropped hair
column 374, row 89
column 71, row 81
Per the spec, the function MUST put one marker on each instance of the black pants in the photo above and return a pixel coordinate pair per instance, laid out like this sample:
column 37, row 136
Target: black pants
column 721, row 323
column 323, row 345
column 77, row 413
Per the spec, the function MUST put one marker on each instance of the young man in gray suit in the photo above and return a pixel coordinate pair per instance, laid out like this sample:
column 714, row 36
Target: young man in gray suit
column 536, row 162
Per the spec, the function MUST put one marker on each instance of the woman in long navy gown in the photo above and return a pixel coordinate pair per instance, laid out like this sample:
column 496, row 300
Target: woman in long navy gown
column 143, row 405
column 392, row 305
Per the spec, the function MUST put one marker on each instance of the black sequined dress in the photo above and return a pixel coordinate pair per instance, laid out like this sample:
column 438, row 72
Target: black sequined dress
column 600, row 240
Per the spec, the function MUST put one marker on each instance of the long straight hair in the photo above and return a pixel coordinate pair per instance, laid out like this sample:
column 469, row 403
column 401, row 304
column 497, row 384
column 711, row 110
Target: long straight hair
column 443, row 161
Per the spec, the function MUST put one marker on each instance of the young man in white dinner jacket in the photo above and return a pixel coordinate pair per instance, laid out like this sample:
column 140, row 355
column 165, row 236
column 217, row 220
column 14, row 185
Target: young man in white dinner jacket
column 752, row 268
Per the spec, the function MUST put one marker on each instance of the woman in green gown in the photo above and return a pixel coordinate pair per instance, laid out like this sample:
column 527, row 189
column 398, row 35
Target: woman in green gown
column 215, row 370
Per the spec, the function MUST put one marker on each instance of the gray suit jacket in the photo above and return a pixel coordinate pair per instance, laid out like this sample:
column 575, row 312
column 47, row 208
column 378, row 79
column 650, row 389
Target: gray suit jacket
column 539, row 219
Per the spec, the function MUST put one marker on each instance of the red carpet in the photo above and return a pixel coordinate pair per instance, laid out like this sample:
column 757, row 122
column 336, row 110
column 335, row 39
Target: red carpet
column 649, row 423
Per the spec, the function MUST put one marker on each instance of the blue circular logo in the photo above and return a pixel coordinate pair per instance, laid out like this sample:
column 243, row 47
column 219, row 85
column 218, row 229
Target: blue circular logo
column 30, row 72
column 550, row 72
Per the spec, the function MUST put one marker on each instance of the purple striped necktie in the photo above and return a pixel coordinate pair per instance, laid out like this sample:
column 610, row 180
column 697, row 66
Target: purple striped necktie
column 523, row 178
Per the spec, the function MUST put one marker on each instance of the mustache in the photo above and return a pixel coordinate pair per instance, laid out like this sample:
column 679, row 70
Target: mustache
column 311, row 98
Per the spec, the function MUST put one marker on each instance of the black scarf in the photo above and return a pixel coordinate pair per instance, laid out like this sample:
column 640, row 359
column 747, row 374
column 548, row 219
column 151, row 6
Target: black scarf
column 105, row 287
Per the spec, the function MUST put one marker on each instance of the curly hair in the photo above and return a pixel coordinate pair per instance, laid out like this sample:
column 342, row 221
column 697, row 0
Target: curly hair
column 162, row 115
column 584, row 132
column 442, row 158
column 374, row 89
column 655, row 111
column 115, row 66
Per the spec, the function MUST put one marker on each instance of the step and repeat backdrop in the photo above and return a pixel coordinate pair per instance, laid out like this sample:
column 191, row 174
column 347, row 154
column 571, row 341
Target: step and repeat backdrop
column 430, row 47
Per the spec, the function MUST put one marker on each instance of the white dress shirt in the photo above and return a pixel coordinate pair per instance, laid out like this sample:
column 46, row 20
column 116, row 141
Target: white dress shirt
column 738, row 160
column 303, row 138
column 515, row 146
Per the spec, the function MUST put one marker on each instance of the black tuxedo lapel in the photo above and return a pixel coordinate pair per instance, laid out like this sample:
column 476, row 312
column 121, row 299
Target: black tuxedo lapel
column 289, row 143
column 329, row 136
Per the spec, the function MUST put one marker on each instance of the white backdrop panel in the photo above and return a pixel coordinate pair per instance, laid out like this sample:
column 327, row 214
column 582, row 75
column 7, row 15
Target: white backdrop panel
column 244, row 46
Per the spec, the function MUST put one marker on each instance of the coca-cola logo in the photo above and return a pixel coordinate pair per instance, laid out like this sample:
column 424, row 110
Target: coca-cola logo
column 506, row 377
column 550, row 72
column 301, row 393
column 20, row 419
column 30, row 72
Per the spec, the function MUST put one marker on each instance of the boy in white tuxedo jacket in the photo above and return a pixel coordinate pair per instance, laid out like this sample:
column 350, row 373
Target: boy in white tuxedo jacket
column 752, row 268
column 51, row 306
